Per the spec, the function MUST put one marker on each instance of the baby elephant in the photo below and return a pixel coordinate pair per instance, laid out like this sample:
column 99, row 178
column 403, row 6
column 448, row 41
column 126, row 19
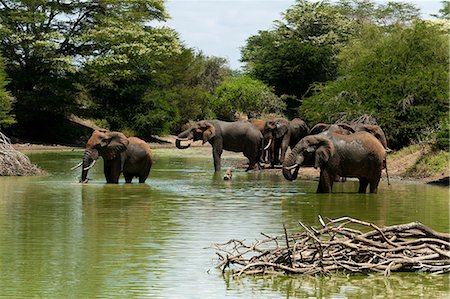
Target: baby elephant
column 131, row 156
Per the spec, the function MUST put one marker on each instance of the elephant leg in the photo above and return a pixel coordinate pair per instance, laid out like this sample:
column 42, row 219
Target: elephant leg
column 363, row 182
column 128, row 177
column 374, row 183
column 107, row 172
column 217, row 153
column 275, row 159
column 145, row 172
column 284, row 146
column 325, row 182
column 115, row 170
column 253, row 162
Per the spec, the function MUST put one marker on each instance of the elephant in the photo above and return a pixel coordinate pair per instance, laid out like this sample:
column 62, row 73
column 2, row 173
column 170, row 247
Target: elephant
column 260, row 124
column 279, row 134
column 238, row 136
column 346, row 129
column 358, row 155
column 375, row 130
column 131, row 156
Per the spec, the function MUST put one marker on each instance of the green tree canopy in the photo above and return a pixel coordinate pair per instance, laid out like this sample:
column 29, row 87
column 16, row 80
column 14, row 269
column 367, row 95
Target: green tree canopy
column 45, row 43
column 6, row 118
column 243, row 94
column 302, row 47
column 399, row 76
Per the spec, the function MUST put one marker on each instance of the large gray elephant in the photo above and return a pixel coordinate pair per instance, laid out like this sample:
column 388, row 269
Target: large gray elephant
column 279, row 134
column 375, row 130
column 238, row 136
column 131, row 156
column 358, row 155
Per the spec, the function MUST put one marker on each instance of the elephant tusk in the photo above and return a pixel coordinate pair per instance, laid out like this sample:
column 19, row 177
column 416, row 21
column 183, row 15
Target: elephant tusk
column 183, row 139
column 291, row 167
column 76, row 166
column 268, row 145
column 388, row 150
column 90, row 166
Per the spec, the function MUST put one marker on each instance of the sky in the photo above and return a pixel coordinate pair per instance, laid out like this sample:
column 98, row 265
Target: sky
column 221, row 27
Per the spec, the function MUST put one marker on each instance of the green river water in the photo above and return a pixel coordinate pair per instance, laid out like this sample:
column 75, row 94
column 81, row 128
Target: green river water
column 62, row 239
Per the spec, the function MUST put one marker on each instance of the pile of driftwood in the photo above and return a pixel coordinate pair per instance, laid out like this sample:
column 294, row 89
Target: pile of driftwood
column 339, row 246
column 13, row 162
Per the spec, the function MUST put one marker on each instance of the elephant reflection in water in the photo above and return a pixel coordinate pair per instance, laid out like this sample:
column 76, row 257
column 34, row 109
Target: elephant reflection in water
column 131, row 156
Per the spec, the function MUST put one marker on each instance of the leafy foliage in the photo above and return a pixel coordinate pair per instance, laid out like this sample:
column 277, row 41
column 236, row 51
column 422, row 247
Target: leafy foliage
column 299, row 51
column 302, row 48
column 6, row 118
column 243, row 94
column 400, row 76
column 45, row 43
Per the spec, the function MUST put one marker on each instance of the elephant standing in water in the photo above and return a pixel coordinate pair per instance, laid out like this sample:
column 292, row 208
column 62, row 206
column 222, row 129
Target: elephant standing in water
column 279, row 134
column 131, row 156
column 358, row 155
column 238, row 136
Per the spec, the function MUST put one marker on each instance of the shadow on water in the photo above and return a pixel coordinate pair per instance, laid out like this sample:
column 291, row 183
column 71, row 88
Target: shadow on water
column 59, row 238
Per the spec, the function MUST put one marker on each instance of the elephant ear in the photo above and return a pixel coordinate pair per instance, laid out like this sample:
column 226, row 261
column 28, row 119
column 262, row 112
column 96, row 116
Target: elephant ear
column 319, row 128
column 321, row 146
column 323, row 153
column 281, row 129
column 209, row 132
column 114, row 144
column 346, row 127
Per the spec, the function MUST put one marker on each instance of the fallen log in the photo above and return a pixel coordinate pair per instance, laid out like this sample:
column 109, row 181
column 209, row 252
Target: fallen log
column 13, row 162
column 344, row 245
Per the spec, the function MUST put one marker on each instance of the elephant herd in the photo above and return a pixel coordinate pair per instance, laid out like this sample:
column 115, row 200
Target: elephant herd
column 338, row 150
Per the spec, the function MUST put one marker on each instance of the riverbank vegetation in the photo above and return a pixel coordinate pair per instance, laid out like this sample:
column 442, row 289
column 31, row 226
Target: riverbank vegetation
column 117, row 64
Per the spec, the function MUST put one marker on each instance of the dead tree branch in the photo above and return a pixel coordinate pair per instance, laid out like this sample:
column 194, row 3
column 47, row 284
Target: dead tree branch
column 345, row 245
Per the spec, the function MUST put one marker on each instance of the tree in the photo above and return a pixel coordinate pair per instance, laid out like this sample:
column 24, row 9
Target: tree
column 6, row 118
column 302, row 48
column 45, row 42
column 245, row 95
column 399, row 76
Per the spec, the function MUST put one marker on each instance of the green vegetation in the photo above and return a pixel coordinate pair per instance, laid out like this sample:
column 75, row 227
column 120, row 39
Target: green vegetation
column 422, row 160
column 398, row 75
column 245, row 95
column 6, row 118
column 324, row 61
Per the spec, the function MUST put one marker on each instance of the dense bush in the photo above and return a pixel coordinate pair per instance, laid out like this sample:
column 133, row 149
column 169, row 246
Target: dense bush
column 6, row 118
column 242, row 94
column 398, row 75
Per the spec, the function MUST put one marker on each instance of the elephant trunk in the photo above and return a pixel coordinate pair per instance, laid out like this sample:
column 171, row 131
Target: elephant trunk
column 179, row 146
column 291, row 165
column 184, row 136
column 89, row 158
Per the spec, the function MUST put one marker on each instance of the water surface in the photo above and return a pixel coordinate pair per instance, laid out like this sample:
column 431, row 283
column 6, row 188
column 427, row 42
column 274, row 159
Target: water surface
column 62, row 239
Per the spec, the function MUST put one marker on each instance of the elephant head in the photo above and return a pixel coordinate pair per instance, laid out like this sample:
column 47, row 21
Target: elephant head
column 202, row 130
column 109, row 145
column 314, row 149
column 275, row 129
